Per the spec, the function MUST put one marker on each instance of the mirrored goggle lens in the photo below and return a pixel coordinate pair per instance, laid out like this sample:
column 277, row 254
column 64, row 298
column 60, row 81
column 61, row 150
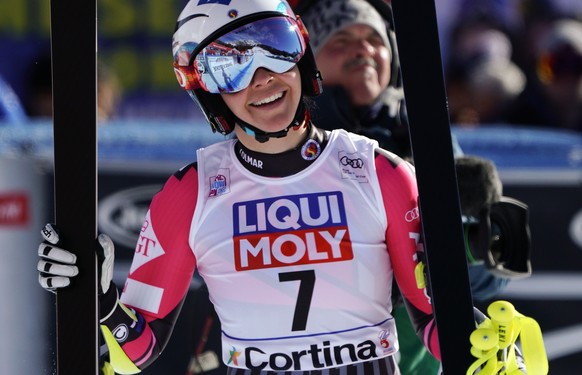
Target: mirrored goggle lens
column 229, row 63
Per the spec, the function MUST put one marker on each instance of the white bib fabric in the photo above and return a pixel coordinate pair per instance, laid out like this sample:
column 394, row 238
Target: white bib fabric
column 298, row 268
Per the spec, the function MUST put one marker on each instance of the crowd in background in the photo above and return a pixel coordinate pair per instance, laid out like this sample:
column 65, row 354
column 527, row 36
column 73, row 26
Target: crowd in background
column 509, row 62
column 513, row 62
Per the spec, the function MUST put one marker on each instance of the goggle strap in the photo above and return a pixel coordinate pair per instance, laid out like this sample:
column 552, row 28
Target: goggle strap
column 302, row 29
column 187, row 76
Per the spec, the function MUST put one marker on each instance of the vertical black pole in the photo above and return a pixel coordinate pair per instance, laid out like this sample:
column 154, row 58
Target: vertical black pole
column 422, row 72
column 74, row 62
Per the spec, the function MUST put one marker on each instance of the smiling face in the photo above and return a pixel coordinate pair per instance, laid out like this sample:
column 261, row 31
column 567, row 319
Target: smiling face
column 357, row 59
column 269, row 103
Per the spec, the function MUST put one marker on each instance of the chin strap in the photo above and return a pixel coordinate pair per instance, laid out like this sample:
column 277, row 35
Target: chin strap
column 301, row 118
column 262, row 136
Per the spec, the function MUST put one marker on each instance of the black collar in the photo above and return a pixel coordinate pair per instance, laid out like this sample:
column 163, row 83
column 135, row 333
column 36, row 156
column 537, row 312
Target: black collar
column 286, row 163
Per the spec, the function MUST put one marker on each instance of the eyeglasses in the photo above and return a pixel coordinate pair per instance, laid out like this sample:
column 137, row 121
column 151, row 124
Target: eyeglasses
column 227, row 64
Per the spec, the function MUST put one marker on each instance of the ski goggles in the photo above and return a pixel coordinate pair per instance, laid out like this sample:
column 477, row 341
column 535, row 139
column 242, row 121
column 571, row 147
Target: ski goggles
column 228, row 63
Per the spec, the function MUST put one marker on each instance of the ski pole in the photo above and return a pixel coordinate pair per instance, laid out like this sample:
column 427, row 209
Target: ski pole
column 494, row 343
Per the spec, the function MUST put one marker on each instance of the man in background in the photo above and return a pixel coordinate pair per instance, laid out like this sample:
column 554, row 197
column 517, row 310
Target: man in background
column 355, row 50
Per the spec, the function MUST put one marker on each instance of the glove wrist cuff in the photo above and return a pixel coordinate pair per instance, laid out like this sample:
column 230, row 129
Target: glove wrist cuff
column 108, row 302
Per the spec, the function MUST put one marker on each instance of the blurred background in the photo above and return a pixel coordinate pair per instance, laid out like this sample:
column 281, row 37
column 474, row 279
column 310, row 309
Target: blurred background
column 513, row 72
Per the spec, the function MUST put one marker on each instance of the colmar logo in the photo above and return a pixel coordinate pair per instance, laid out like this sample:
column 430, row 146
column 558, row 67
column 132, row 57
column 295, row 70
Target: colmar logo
column 291, row 230
column 14, row 209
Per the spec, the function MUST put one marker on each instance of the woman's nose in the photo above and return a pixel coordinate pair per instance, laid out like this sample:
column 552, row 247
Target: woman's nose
column 261, row 77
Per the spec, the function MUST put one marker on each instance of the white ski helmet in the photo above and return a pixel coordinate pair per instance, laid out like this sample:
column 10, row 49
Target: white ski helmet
column 204, row 21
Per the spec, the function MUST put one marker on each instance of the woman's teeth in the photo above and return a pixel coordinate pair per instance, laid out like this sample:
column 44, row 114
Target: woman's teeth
column 268, row 100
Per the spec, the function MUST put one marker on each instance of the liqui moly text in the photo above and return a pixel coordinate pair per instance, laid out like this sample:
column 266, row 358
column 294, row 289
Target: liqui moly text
column 291, row 230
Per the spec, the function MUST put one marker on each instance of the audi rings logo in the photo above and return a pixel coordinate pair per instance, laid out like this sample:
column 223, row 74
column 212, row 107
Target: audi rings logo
column 121, row 333
column 352, row 166
column 412, row 215
column 354, row 163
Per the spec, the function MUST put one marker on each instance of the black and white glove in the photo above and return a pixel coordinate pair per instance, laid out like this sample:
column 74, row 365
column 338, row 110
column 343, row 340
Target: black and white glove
column 58, row 266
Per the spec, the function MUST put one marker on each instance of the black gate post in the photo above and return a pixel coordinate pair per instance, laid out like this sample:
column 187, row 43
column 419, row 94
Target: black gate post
column 430, row 133
column 74, row 65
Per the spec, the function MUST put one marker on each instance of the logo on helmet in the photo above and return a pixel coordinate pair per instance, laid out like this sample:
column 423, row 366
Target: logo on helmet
column 223, row 2
column 233, row 13
column 181, row 77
